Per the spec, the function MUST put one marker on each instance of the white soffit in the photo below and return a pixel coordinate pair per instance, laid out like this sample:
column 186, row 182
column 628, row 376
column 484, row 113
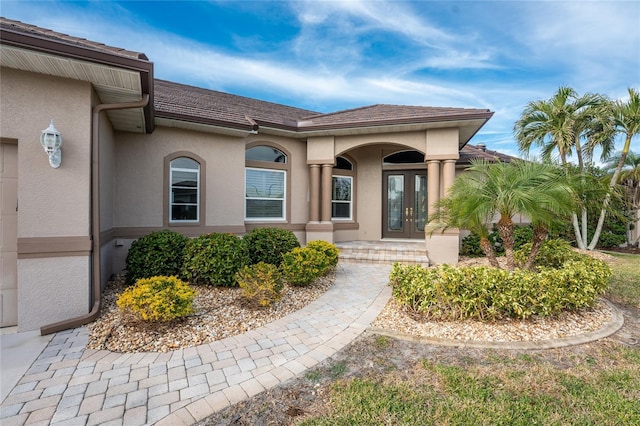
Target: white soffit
column 113, row 85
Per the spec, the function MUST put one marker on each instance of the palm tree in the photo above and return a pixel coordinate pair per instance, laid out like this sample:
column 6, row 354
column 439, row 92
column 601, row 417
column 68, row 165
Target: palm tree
column 629, row 180
column 503, row 190
column 625, row 119
column 561, row 123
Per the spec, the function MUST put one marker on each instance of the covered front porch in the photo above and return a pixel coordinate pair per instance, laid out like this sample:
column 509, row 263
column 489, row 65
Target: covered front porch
column 393, row 184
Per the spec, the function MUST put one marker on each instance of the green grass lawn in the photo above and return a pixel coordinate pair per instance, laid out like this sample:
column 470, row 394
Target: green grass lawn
column 625, row 282
column 594, row 384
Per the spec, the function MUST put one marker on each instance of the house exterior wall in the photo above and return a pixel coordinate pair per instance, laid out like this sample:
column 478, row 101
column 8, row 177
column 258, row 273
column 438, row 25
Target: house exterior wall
column 54, row 204
column 107, row 195
column 140, row 185
column 139, row 177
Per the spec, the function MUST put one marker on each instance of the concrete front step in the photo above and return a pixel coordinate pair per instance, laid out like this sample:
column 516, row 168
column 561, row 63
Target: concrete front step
column 409, row 252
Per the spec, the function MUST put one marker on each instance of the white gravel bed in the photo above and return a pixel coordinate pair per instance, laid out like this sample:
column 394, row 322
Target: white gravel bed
column 219, row 312
column 396, row 318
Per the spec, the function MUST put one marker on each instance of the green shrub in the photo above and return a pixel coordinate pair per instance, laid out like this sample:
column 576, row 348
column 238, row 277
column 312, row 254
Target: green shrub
column 329, row 250
column 157, row 299
column 269, row 244
column 159, row 253
column 611, row 240
column 301, row 266
column 487, row 293
column 261, row 283
column 521, row 236
column 214, row 259
column 470, row 246
column 552, row 254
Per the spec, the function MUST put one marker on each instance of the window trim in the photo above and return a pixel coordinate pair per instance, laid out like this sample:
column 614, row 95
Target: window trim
column 267, row 165
column 353, row 174
column 350, row 202
column 283, row 199
column 202, row 192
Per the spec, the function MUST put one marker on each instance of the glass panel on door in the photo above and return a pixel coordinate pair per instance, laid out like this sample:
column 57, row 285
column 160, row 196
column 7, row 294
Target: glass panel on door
column 420, row 203
column 395, row 202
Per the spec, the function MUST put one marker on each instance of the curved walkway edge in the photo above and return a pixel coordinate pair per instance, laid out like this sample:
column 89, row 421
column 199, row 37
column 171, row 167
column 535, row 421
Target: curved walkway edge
column 613, row 325
column 71, row 385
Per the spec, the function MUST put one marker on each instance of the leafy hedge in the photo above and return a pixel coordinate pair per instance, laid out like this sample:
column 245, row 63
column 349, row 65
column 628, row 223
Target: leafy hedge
column 269, row 244
column 159, row 253
column 214, row 259
column 486, row 293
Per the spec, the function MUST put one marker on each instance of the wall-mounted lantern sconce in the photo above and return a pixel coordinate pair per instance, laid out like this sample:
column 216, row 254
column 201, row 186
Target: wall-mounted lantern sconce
column 51, row 141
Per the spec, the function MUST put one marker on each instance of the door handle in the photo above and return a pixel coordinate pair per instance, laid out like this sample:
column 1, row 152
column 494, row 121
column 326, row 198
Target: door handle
column 406, row 214
column 411, row 213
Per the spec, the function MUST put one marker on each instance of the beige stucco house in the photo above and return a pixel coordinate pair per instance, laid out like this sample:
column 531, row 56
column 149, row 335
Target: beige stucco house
column 141, row 154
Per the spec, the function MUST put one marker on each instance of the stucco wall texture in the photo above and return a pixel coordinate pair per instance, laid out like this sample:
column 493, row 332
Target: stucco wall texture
column 52, row 202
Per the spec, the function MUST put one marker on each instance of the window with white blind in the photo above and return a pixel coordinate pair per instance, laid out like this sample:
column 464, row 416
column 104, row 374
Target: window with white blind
column 184, row 191
column 265, row 183
column 265, row 194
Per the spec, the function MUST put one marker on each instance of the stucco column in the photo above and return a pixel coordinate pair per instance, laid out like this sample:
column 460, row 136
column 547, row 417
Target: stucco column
column 314, row 192
column 448, row 175
column 327, row 172
column 433, row 185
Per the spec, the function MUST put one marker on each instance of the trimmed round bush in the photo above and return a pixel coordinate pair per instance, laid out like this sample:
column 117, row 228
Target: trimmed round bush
column 261, row 284
column 269, row 244
column 302, row 266
column 486, row 293
column 214, row 259
column 159, row 253
column 330, row 251
column 157, row 299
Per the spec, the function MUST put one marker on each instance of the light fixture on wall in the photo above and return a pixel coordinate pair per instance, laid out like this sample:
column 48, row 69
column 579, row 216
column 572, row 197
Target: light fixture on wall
column 51, row 141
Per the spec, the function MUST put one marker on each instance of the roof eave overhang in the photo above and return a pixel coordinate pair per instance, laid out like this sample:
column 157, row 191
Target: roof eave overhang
column 472, row 123
column 141, row 65
column 208, row 126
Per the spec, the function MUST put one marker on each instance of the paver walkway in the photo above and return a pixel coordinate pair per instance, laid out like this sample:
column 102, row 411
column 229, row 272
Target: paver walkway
column 71, row 385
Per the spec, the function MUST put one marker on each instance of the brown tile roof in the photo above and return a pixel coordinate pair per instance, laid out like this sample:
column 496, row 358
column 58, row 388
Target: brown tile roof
column 382, row 114
column 174, row 100
column 28, row 29
column 470, row 152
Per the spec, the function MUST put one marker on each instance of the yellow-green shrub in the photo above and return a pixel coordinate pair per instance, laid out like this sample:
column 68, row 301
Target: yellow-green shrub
column 158, row 298
column 261, row 283
column 301, row 266
column 487, row 293
column 330, row 251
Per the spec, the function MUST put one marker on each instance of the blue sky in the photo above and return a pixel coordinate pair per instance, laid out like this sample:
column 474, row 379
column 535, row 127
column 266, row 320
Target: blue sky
column 333, row 55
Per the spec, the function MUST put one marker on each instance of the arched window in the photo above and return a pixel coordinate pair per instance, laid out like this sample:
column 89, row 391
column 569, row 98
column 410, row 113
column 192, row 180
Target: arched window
column 184, row 190
column 265, row 184
column 342, row 190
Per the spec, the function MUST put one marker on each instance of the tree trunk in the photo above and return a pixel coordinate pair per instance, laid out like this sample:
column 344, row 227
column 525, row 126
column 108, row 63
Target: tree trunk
column 505, row 229
column 576, row 230
column 607, row 199
column 539, row 235
column 487, row 248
